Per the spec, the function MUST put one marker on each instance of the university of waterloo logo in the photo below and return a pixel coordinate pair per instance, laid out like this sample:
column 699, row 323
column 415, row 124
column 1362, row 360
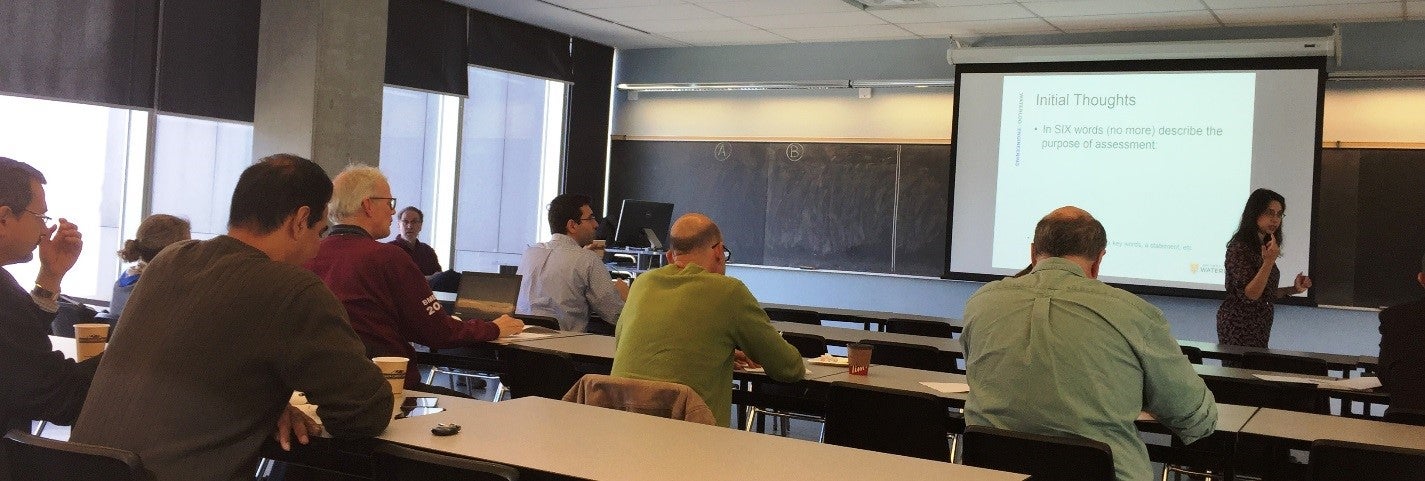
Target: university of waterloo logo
column 1193, row 267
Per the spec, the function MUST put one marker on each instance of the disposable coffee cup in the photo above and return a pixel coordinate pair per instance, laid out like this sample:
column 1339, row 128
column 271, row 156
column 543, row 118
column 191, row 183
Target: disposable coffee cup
column 394, row 368
column 90, row 340
column 858, row 358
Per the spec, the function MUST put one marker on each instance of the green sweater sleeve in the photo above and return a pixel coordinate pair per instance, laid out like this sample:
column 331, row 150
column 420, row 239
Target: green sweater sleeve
column 1172, row 390
column 755, row 335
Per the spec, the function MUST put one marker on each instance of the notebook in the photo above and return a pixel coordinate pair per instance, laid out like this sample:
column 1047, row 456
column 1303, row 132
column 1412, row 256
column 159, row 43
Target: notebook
column 485, row 295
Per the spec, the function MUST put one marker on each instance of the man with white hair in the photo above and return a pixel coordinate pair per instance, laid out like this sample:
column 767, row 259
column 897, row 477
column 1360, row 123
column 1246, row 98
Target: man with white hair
column 386, row 297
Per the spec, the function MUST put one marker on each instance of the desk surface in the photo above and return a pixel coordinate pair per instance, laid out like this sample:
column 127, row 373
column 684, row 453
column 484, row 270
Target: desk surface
column 604, row 444
column 592, row 346
column 863, row 314
column 1305, row 428
column 905, row 379
column 841, row 335
column 1229, row 351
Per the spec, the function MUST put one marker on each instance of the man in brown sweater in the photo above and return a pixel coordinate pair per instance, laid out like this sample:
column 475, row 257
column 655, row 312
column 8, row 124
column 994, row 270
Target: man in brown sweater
column 219, row 334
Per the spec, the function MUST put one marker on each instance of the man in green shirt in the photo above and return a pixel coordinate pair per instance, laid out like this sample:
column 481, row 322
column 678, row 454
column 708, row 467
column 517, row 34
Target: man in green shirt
column 683, row 322
column 1057, row 352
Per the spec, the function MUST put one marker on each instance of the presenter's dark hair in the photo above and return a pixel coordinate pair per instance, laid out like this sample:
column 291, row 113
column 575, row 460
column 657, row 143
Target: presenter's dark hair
column 1257, row 204
column 420, row 216
column 1060, row 236
column 564, row 208
column 15, row 179
column 274, row 188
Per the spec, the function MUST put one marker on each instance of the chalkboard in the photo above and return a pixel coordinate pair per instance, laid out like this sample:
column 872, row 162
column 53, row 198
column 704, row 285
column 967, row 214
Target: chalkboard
column 840, row 206
column 1370, row 227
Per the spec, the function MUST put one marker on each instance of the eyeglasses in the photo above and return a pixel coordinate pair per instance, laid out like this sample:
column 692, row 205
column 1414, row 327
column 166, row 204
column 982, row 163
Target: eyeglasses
column 389, row 200
column 726, row 253
column 594, row 218
column 1279, row 215
column 43, row 218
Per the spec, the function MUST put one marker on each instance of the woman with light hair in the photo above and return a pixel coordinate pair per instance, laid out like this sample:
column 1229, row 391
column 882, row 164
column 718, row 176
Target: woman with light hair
column 156, row 232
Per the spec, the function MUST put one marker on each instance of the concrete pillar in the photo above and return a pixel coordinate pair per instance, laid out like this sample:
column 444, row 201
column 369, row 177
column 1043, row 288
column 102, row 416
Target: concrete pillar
column 320, row 69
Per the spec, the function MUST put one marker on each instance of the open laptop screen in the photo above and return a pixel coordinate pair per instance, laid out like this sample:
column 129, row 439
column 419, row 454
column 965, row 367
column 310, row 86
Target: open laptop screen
column 485, row 295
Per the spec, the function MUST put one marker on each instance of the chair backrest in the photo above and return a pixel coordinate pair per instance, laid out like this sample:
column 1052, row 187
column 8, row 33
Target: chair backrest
column 920, row 327
column 539, row 372
column 33, row 458
column 888, row 420
column 1267, row 394
column 541, row 321
column 1266, row 361
column 393, row 462
column 1333, row 460
column 654, row 398
column 914, row 356
column 798, row 316
column 445, row 281
column 1193, row 354
column 1043, row 458
column 809, row 345
column 1405, row 416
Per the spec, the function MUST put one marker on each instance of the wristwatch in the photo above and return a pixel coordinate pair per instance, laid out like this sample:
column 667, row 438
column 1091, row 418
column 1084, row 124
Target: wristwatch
column 44, row 293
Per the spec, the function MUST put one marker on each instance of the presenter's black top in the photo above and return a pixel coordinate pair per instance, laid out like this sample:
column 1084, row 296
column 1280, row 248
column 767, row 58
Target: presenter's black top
column 1402, row 361
column 1242, row 321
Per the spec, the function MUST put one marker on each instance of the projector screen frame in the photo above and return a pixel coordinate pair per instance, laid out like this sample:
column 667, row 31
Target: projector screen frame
column 1319, row 63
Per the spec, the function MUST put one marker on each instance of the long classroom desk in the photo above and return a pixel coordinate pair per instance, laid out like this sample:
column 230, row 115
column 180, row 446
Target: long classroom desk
column 841, row 336
column 1299, row 429
column 604, row 444
column 865, row 316
column 1228, row 352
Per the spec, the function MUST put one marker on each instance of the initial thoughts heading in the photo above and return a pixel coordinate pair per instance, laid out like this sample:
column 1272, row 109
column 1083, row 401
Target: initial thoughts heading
column 1078, row 100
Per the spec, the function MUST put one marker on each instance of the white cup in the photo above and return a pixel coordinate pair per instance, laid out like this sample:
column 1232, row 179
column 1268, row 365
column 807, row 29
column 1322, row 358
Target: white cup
column 394, row 368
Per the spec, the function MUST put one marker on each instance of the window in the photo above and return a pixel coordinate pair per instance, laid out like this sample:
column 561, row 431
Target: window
column 92, row 157
column 196, row 165
column 511, row 151
column 418, row 148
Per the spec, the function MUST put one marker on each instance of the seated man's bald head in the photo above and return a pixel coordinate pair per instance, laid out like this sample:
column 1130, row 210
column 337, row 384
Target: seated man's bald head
column 1069, row 232
column 693, row 231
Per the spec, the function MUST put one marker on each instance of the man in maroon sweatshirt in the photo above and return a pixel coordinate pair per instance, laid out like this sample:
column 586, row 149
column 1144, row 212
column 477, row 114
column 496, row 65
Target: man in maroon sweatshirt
column 388, row 300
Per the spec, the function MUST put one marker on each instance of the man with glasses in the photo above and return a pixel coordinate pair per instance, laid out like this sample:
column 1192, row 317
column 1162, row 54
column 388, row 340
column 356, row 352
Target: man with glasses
column 387, row 299
column 565, row 278
column 36, row 382
column 687, row 322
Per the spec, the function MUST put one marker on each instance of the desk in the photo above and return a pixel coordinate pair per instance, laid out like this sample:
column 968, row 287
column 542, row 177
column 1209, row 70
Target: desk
column 589, row 347
column 65, row 345
column 862, row 315
column 841, row 336
column 905, row 379
column 604, row 444
column 1337, row 362
column 1300, row 429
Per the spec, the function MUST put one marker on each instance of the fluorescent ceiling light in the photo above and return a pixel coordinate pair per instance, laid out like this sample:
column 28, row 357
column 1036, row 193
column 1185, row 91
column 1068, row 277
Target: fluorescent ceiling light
column 902, row 83
column 1377, row 75
column 719, row 86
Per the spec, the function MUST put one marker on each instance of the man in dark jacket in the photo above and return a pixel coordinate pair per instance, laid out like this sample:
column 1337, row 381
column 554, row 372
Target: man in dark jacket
column 36, row 382
column 1402, row 361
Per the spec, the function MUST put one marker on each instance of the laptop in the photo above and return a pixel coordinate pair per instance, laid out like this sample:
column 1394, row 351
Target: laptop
column 485, row 295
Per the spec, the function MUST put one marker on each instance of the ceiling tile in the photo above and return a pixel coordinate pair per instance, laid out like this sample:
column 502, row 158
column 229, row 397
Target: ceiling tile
column 1315, row 13
column 953, row 14
column 1078, row 8
column 687, row 25
column 1230, row 4
column 979, row 28
column 586, row 4
column 846, row 19
column 1137, row 21
column 652, row 12
column 748, row 8
column 834, row 34
column 741, row 37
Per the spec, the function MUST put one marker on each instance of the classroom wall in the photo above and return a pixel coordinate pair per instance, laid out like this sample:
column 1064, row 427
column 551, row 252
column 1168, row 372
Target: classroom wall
column 1376, row 112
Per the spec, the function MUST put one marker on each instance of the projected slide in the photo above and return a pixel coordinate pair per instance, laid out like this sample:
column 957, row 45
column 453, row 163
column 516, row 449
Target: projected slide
column 1164, row 153
column 1126, row 147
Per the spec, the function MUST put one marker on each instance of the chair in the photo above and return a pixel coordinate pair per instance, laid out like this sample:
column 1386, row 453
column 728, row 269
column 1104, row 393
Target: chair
column 1043, row 458
column 445, row 281
column 654, row 398
column 809, row 345
column 541, row 321
column 393, row 462
column 539, row 372
column 888, row 420
column 1307, row 400
column 1333, row 460
column 33, row 458
column 920, row 328
column 1405, row 416
column 1193, row 354
column 507, row 269
column 798, row 316
column 914, row 356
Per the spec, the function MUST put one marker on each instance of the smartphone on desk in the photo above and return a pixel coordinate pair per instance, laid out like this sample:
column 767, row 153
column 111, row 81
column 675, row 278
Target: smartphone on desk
column 417, row 406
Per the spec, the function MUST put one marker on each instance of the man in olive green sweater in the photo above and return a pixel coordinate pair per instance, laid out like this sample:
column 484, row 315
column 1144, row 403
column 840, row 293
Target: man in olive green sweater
column 684, row 321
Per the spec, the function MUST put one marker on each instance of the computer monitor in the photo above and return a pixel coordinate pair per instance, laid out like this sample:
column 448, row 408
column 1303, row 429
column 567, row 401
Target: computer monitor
column 643, row 223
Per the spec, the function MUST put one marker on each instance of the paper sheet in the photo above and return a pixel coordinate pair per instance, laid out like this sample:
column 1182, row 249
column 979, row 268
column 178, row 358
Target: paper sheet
column 947, row 387
column 528, row 335
column 1275, row 378
column 1355, row 384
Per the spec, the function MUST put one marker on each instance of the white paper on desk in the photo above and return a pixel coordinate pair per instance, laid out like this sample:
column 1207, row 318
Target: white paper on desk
column 1275, row 378
column 947, row 387
column 755, row 370
column 528, row 335
column 1354, row 384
